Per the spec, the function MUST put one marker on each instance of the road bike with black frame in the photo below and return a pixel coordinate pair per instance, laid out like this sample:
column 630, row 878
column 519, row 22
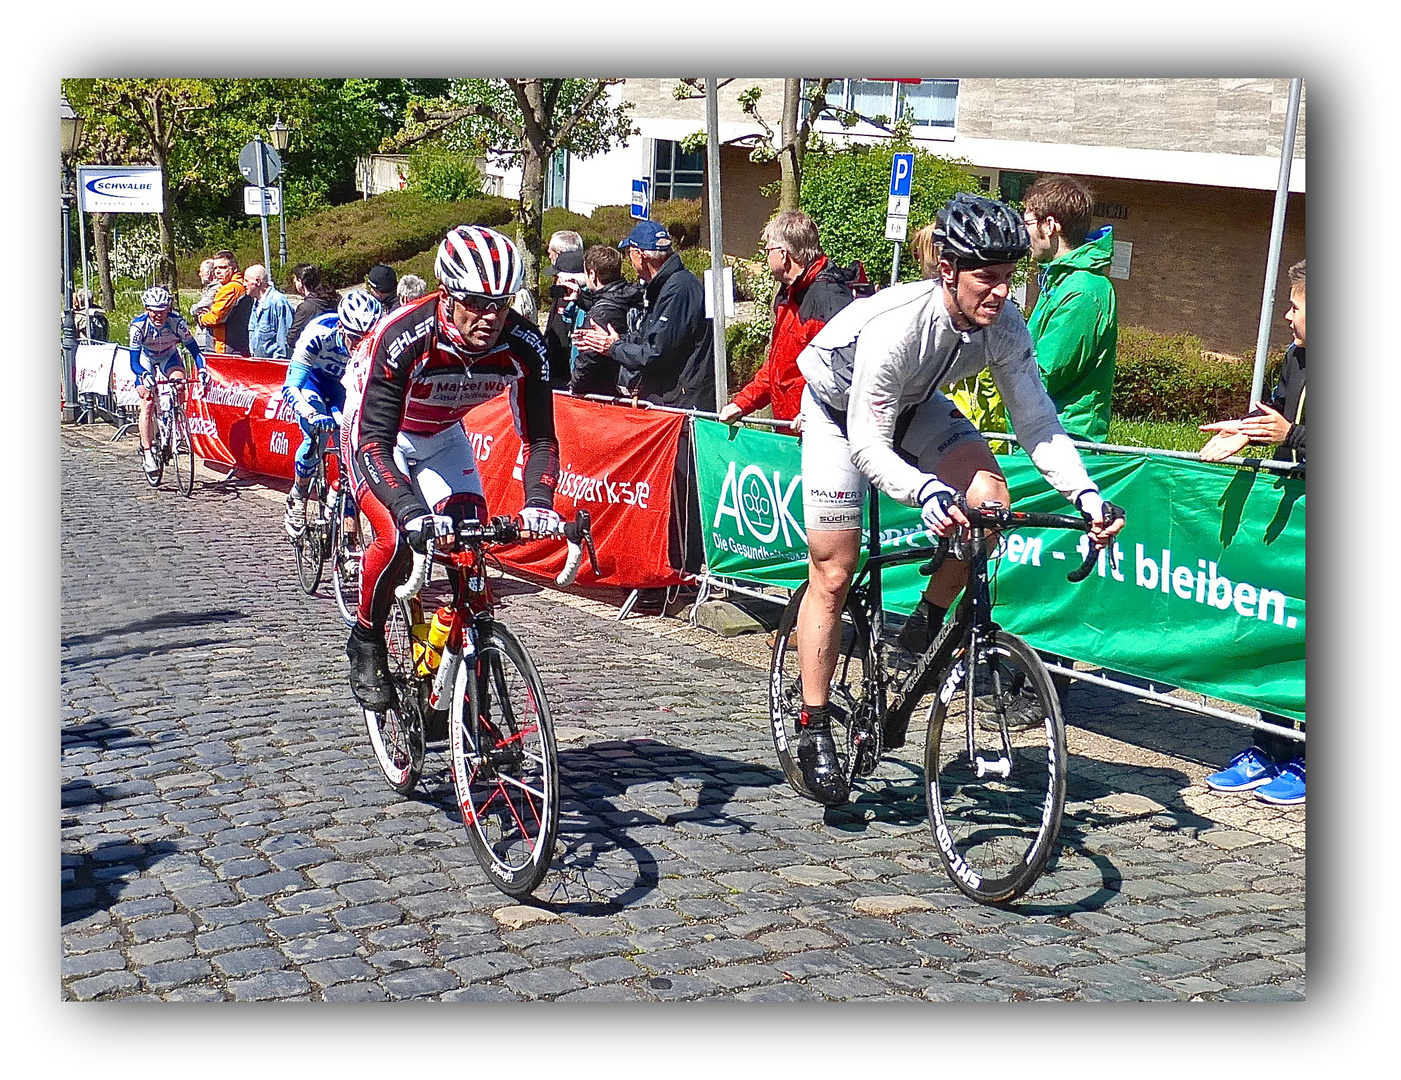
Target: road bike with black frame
column 995, row 754
column 171, row 440
column 484, row 697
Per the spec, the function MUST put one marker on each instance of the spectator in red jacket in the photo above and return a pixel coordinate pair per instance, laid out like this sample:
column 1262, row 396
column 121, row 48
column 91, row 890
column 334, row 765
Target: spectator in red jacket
column 811, row 289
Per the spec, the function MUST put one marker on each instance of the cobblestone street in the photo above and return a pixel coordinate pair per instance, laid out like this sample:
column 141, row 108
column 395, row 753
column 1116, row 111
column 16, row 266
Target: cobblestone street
column 227, row 836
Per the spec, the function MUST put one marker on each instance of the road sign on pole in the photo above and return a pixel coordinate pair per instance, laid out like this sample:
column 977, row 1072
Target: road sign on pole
column 641, row 199
column 248, row 162
column 902, row 170
column 258, row 201
column 897, row 211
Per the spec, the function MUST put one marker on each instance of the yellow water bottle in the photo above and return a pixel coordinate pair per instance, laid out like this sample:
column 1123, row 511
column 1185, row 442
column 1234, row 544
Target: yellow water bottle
column 419, row 633
column 438, row 635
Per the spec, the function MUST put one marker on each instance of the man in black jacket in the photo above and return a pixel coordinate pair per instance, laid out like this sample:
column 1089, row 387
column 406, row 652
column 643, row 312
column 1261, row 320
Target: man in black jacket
column 672, row 349
column 607, row 304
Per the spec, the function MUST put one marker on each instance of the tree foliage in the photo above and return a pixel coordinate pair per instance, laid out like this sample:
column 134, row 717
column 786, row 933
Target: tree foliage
column 846, row 190
column 520, row 122
column 443, row 175
column 193, row 129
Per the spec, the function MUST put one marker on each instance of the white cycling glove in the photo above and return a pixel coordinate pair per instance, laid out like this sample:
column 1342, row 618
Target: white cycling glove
column 1091, row 505
column 935, row 497
column 541, row 522
column 419, row 530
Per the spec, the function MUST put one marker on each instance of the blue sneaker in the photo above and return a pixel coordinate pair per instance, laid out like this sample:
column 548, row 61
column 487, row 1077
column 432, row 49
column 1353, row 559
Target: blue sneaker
column 1248, row 769
column 1287, row 788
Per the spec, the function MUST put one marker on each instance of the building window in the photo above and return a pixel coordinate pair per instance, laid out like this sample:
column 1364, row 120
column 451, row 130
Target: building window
column 557, row 180
column 1011, row 186
column 929, row 104
column 675, row 173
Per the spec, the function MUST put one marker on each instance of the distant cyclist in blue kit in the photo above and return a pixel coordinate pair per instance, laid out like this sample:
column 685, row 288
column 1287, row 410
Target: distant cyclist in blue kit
column 313, row 387
column 155, row 339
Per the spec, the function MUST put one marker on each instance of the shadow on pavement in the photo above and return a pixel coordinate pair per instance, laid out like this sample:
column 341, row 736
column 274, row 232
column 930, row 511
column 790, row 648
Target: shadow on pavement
column 181, row 620
column 93, row 880
column 611, row 788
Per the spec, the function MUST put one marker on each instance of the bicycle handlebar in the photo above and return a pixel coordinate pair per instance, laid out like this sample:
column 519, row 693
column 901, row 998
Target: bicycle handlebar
column 1000, row 517
column 504, row 530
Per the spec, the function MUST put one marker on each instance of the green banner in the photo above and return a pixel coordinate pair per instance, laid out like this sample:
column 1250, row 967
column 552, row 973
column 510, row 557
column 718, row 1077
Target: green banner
column 1208, row 593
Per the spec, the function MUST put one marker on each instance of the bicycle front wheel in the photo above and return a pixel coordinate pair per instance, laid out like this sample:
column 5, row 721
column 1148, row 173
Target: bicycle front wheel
column 183, row 451
column 851, row 689
column 995, row 812
column 504, row 764
column 310, row 544
column 396, row 735
column 159, row 441
column 345, row 551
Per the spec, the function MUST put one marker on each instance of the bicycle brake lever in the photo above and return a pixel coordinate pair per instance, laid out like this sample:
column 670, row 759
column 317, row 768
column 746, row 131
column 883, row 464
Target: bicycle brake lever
column 1111, row 513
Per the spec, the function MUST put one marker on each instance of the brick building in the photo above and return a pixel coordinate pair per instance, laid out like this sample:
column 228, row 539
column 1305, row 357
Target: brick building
column 1184, row 169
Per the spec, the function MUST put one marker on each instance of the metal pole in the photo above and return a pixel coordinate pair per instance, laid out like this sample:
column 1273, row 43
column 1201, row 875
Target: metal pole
column 262, row 202
column 281, row 224
column 717, row 245
column 1267, row 305
column 69, row 334
column 895, row 265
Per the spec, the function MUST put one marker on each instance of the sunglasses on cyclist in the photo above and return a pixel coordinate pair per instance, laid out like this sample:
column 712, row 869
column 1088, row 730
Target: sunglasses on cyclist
column 482, row 305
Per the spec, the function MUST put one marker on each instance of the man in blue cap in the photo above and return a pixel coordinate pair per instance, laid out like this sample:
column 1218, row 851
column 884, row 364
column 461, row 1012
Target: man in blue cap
column 671, row 354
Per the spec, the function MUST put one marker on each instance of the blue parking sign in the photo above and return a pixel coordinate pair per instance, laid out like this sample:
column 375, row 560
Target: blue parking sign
column 902, row 170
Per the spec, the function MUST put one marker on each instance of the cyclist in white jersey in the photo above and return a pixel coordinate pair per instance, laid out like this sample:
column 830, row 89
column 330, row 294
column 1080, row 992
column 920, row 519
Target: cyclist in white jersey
column 873, row 412
column 154, row 338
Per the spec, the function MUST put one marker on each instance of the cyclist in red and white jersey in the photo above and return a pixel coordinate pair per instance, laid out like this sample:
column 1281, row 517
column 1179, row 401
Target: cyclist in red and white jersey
column 426, row 366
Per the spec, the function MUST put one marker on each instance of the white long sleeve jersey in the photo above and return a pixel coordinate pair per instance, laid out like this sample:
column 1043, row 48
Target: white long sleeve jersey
column 887, row 353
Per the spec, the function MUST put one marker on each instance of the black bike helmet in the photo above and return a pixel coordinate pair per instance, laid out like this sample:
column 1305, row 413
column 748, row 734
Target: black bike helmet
column 973, row 230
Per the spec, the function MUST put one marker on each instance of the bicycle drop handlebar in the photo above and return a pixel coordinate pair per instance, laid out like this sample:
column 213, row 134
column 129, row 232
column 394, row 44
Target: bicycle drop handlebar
column 506, row 530
column 1000, row 517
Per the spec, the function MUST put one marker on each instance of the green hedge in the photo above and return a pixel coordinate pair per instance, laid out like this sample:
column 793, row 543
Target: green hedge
column 1169, row 377
column 345, row 241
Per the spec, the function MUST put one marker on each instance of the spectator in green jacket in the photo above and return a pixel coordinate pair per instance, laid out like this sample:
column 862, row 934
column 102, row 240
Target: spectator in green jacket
column 1075, row 322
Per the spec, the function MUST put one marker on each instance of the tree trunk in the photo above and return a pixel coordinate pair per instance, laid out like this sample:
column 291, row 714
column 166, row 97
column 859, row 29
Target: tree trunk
column 102, row 252
column 537, row 150
column 790, row 155
column 531, row 218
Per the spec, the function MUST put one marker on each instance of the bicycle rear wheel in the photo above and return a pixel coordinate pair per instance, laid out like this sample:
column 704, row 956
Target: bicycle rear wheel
column 310, row 544
column 183, row 451
column 345, row 551
column 504, row 763
column 851, row 689
column 396, row 735
column 996, row 831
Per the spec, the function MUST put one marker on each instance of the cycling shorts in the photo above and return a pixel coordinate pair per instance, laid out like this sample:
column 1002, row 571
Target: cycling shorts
column 834, row 490
column 443, row 469
column 170, row 362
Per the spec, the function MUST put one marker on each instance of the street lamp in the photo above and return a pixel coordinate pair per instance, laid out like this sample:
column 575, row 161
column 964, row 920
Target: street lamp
column 280, row 134
column 70, row 123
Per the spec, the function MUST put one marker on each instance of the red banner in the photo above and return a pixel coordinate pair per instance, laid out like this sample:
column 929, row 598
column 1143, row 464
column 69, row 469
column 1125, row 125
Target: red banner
column 615, row 462
column 241, row 420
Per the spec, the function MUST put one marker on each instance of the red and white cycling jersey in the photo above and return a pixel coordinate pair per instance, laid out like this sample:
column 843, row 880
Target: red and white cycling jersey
column 414, row 374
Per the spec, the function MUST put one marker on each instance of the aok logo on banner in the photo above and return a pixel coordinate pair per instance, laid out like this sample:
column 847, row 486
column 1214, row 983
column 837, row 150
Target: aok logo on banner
column 755, row 508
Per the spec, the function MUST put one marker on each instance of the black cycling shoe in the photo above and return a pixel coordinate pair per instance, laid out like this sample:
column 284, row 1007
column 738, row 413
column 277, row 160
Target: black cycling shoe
column 369, row 672
column 817, row 758
column 920, row 629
